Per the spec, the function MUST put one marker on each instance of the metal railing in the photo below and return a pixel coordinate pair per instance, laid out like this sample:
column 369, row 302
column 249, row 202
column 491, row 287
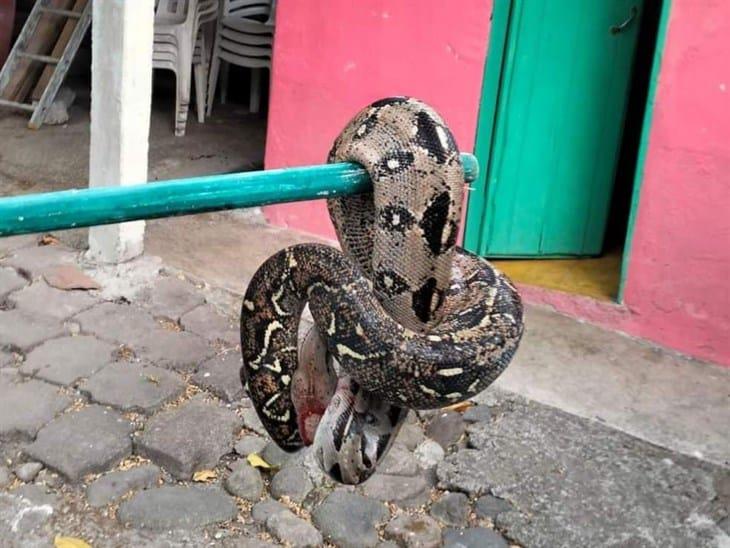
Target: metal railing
column 30, row 213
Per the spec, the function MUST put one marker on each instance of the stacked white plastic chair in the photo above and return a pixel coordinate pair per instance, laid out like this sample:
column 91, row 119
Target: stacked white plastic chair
column 244, row 37
column 181, row 44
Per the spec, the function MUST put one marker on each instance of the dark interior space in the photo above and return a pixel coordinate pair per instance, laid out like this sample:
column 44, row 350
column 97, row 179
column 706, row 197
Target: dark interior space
column 628, row 157
column 231, row 140
column 79, row 75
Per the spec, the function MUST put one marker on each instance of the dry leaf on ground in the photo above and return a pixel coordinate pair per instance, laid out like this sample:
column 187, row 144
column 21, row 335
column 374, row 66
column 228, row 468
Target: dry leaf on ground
column 204, row 475
column 48, row 239
column 257, row 462
column 459, row 407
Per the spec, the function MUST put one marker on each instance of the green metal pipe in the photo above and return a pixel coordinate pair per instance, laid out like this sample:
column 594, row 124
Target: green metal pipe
column 108, row 205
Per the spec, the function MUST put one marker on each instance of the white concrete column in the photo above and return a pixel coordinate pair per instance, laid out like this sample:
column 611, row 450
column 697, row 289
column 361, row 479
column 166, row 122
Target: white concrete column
column 121, row 92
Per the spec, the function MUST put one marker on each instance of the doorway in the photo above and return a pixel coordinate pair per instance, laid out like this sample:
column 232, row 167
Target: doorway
column 563, row 102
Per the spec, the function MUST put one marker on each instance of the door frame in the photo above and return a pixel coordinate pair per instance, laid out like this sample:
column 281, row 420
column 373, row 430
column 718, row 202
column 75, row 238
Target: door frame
column 491, row 88
column 646, row 126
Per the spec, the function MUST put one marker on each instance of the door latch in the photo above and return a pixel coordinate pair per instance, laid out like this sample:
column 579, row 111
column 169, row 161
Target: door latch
column 615, row 29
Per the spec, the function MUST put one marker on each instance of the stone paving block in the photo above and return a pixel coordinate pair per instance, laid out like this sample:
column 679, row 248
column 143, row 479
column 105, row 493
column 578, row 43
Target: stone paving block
column 191, row 437
column 28, row 471
column 466, row 471
column 148, row 338
column 414, row 531
column 411, row 435
column 113, row 485
column 428, row 454
column 209, row 324
column 181, row 351
column 247, row 542
column 292, row 482
column 221, row 376
column 451, row 509
column 490, row 507
column 406, row 492
column 39, row 299
column 10, row 281
column 5, row 477
column 26, row 406
column 399, row 461
column 261, row 511
column 22, row 331
column 177, row 507
column 576, row 482
column 11, row 243
column 350, row 520
column 172, row 298
column 82, row 442
column 133, row 386
column 7, row 359
column 24, row 515
column 478, row 413
column 475, row 537
column 276, row 456
column 149, row 538
column 10, row 375
column 293, row 531
column 120, row 323
column 67, row 359
column 244, row 481
column 36, row 259
column 446, row 428
column 250, row 444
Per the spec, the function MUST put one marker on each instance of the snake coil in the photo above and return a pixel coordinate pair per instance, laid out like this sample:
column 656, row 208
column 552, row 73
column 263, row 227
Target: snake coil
column 404, row 319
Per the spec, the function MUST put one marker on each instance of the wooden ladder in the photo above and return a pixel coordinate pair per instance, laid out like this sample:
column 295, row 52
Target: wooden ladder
column 32, row 75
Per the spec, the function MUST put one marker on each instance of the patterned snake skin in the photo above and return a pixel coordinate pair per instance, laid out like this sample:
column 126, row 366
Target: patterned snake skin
column 404, row 318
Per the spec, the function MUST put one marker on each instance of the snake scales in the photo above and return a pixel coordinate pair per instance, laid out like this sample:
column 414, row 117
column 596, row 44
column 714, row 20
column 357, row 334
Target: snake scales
column 403, row 318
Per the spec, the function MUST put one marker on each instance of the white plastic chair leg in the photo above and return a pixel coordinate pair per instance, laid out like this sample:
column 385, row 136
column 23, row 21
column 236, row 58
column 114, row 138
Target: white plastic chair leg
column 200, row 85
column 215, row 65
column 182, row 102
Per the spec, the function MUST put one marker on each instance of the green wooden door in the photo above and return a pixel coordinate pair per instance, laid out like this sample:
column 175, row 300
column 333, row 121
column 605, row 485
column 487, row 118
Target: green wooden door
column 555, row 93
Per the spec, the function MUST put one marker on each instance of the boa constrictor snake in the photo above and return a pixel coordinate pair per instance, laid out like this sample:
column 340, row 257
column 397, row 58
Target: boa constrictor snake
column 409, row 319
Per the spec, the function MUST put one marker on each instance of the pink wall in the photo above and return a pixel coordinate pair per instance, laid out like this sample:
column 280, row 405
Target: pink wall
column 331, row 58
column 679, row 272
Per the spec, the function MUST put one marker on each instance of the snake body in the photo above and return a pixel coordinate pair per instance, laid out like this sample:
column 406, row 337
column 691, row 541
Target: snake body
column 404, row 318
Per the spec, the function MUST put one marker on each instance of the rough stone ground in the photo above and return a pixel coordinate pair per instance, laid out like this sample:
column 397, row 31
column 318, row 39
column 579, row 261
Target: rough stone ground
column 121, row 423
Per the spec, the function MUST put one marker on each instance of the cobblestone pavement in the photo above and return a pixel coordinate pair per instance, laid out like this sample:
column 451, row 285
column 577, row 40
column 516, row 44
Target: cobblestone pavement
column 123, row 423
